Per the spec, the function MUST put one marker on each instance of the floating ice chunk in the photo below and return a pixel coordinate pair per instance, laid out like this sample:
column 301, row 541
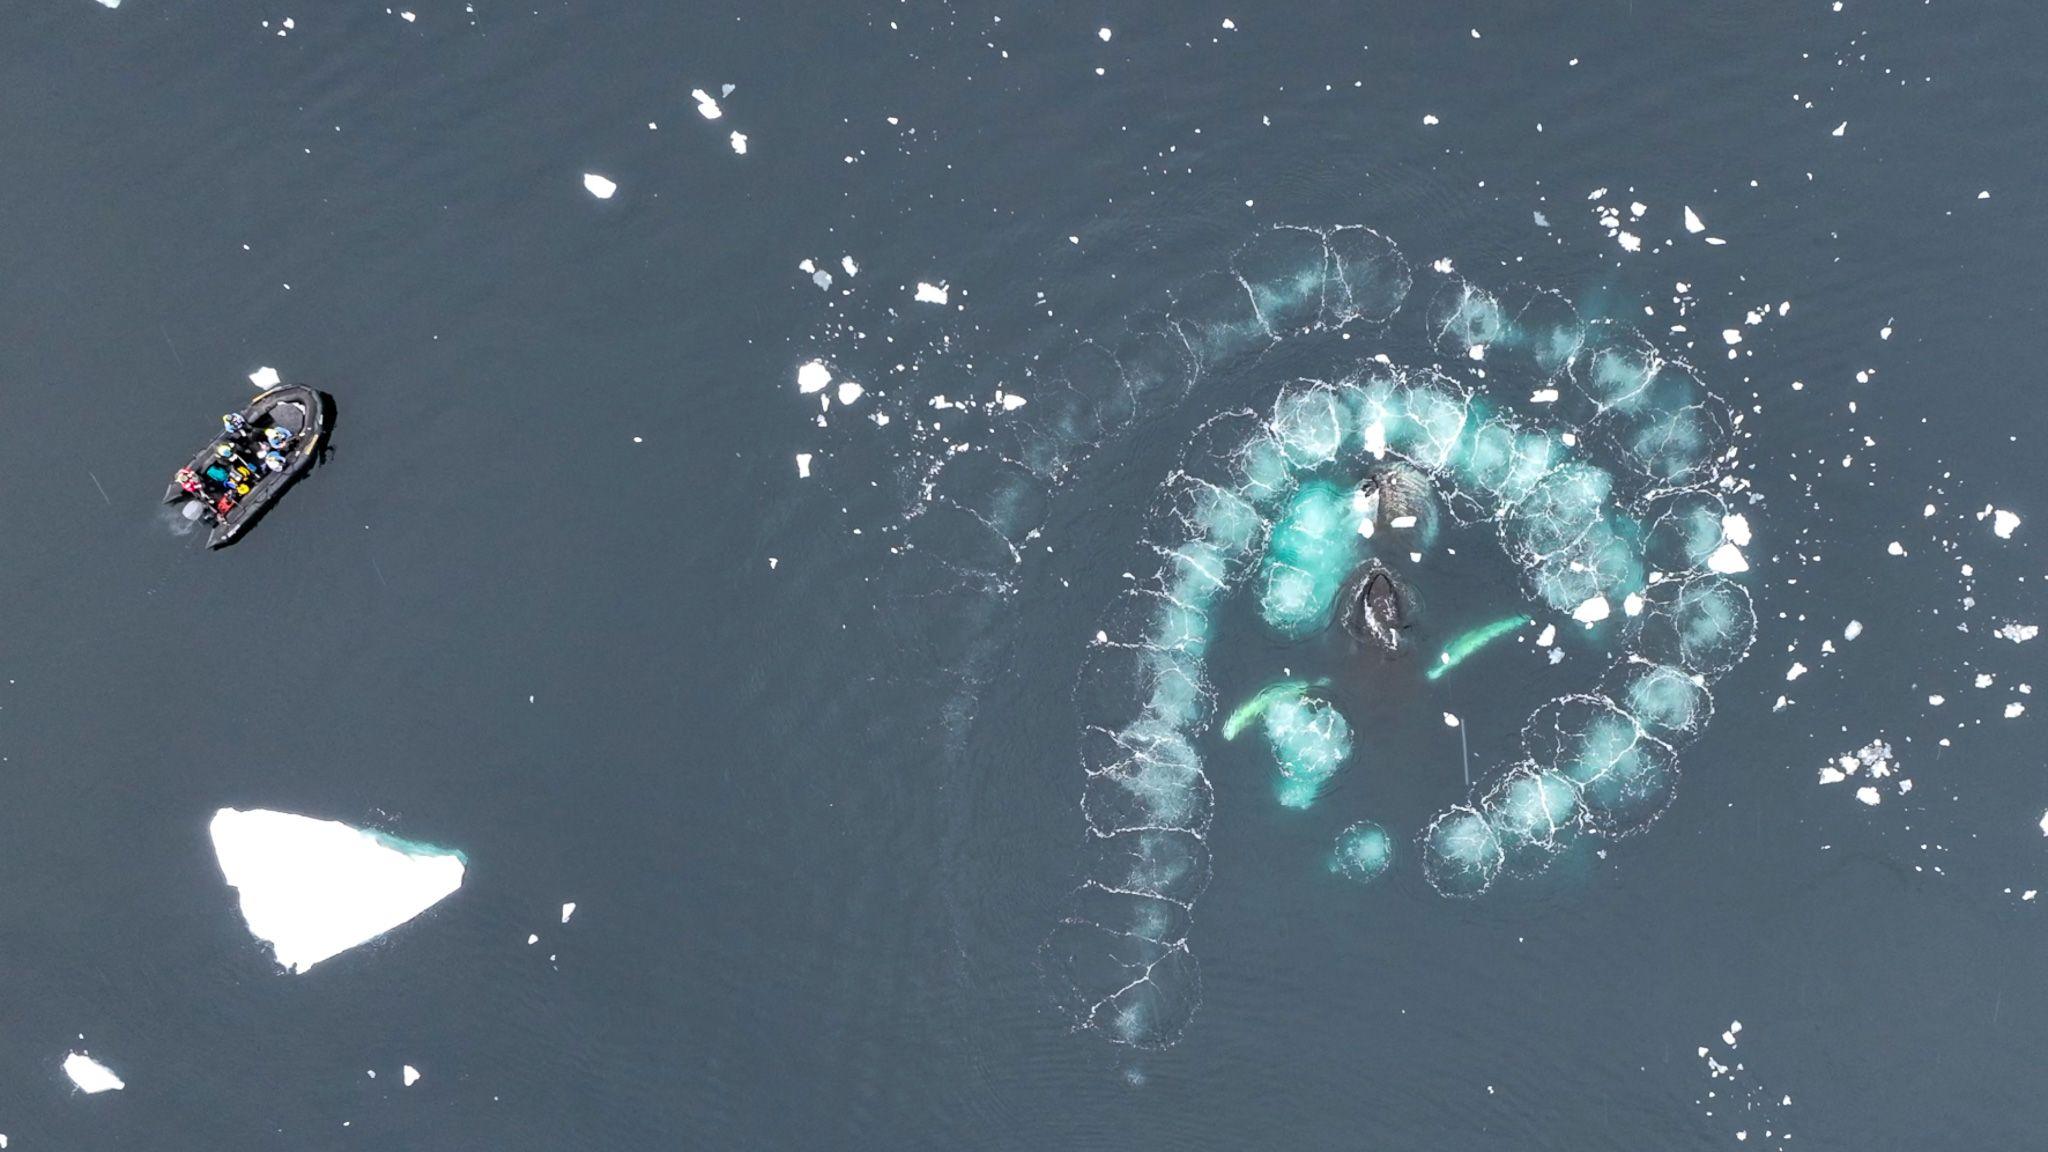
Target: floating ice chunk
column 598, row 186
column 103, row 4
column 1854, row 630
column 1228, row 23
column 1592, row 611
column 847, row 263
column 265, row 377
column 2017, row 632
column 1547, row 637
column 1937, row 700
column 1732, row 336
column 315, row 888
column 1450, row 720
column 849, row 391
column 813, row 377
column 1727, row 560
column 2044, row 823
column 2003, row 523
column 532, row 938
column 803, row 465
column 1632, row 604
column 408, row 17
column 410, row 1074
column 1430, row 119
column 1104, row 33
column 1637, row 208
column 89, row 1074
column 1735, row 528
column 1895, row 548
column 2014, row 709
column 1795, row 671
column 1829, row 774
column 1868, row 795
column 739, row 143
column 1692, row 221
column 1011, row 401
column 1630, row 242
column 1840, row 129
column 568, row 910
column 821, row 278
column 706, row 106
column 1543, row 396
column 932, row 293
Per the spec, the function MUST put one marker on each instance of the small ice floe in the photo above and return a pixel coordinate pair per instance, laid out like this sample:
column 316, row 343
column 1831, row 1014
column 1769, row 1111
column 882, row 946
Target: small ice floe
column 1853, row 630
column 1547, row 637
column 1592, row 611
column 88, row 1074
column 932, row 293
column 1542, row 221
column 1868, row 795
column 2003, row 523
column 1229, row 25
column 315, row 888
column 852, row 269
column 1429, row 119
column 803, row 465
column 568, row 910
column 1632, row 604
column 1450, row 720
column 1629, row 241
column 1543, row 396
column 2014, row 710
column 103, row 4
column 598, row 186
column 1840, row 129
column 1442, row 265
column 532, row 938
column 1105, row 34
column 1895, row 548
column 850, row 391
column 408, row 17
column 2044, row 823
column 265, row 377
column 1727, row 560
column 2017, row 632
column 409, row 1074
column 1795, row 671
column 706, row 106
column 1731, row 336
column 739, row 143
column 1693, row 223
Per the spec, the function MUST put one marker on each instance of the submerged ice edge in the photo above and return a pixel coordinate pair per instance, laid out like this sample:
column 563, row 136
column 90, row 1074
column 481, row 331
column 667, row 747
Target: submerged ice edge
column 1619, row 521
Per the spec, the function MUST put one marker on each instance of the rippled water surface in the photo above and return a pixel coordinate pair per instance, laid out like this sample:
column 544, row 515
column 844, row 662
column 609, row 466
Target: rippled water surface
column 830, row 560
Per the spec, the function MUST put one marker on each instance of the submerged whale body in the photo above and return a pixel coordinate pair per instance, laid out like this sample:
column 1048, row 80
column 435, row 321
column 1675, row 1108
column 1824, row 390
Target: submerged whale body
column 1376, row 608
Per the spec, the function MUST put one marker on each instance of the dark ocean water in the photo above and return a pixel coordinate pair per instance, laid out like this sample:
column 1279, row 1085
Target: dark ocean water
column 820, row 813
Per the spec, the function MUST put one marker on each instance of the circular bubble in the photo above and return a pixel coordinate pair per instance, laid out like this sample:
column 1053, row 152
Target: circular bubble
column 1362, row 852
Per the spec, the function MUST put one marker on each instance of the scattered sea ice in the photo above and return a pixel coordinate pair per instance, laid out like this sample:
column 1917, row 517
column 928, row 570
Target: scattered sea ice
column 932, row 293
column 89, row 1074
column 706, row 106
column 598, row 186
column 813, row 377
column 315, row 888
column 850, row 391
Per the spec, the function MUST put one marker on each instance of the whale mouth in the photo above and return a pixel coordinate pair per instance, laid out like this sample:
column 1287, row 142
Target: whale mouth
column 1376, row 609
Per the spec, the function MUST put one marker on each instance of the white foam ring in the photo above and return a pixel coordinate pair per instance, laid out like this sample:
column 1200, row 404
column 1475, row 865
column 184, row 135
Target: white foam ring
column 1592, row 515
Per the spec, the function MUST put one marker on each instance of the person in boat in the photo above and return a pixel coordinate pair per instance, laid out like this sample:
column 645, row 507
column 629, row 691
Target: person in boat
column 273, row 460
column 235, row 426
column 229, row 457
column 188, row 480
column 277, row 438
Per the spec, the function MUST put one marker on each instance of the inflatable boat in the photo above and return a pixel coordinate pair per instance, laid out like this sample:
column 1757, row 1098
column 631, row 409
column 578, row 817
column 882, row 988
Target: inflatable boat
column 297, row 411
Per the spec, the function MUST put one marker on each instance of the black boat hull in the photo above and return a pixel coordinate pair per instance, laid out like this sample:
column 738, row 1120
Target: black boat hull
column 298, row 409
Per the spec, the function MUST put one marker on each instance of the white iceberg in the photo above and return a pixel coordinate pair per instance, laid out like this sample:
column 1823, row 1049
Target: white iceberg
column 598, row 186
column 90, row 1075
column 312, row 889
